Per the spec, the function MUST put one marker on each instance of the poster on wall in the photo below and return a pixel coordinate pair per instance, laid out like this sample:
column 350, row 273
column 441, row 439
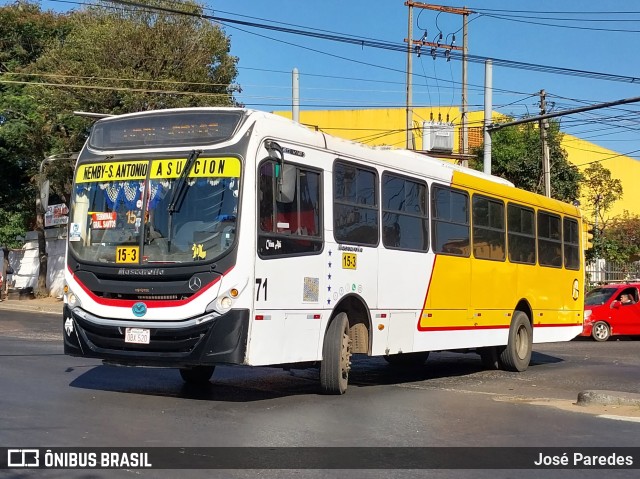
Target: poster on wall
column 56, row 215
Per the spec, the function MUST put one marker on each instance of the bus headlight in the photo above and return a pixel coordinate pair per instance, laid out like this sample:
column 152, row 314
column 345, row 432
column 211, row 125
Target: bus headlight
column 226, row 302
column 70, row 298
column 227, row 298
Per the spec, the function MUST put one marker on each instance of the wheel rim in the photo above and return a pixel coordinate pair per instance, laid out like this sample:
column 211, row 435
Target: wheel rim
column 345, row 356
column 522, row 342
column 600, row 331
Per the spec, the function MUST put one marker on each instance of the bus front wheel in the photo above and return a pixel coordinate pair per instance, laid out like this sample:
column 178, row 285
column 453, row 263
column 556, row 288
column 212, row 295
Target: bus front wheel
column 517, row 355
column 197, row 375
column 336, row 356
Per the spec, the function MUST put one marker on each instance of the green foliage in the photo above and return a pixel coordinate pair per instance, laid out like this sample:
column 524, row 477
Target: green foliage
column 99, row 59
column 11, row 225
column 516, row 155
column 602, row 191
column 620, row 240
column 25, row 33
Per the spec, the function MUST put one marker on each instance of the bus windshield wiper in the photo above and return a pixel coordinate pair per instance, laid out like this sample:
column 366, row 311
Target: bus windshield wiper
column 179, row 192
column 181, row 184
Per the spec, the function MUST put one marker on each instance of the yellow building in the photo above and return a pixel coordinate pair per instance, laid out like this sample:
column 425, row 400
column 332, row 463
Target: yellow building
column 378, row 127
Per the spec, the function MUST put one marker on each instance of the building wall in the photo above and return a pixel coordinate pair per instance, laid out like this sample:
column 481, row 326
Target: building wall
column 583, row 153
column 378, row 127
column 25, row 264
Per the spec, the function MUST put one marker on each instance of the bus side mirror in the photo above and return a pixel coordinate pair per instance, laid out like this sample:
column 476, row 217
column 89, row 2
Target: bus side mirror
column 285, row 174
column 286, row 181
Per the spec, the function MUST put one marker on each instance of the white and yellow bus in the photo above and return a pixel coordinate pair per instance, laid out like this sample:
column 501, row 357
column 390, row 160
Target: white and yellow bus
column 206, row 236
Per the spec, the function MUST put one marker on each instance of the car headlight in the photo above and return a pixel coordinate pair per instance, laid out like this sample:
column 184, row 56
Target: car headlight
column 587, row 314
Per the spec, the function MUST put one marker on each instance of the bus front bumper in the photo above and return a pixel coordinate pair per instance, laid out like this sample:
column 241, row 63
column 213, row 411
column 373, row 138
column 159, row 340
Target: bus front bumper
column 221, row 340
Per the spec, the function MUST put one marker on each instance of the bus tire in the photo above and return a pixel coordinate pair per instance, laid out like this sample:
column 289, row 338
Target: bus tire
column 600, row 331
column 336, row 356
column 407, row 360
column 517, row 355
column 197, row 375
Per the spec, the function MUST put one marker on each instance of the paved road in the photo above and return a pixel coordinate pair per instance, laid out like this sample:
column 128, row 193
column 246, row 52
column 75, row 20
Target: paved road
column 51, row 400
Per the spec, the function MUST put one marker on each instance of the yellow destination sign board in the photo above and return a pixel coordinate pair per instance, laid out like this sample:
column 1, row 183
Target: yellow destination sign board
column 221, row 167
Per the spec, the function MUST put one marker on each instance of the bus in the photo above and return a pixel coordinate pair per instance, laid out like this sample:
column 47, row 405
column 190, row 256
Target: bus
column 227, row 236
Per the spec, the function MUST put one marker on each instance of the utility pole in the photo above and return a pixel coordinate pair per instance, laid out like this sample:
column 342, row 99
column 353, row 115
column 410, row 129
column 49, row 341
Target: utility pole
column 295, row 103
column 465, row 51
column 409, row 80
column 42, row 201
column 465, row 12
column 543, row 125
column 488, row 107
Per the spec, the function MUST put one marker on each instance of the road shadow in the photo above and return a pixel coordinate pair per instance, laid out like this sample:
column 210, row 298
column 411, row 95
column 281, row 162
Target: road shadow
column 248, row 384
column 541, row 358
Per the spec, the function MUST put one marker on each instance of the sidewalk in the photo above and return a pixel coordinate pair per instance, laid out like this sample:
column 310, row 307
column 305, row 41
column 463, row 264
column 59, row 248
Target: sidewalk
column 43, row 305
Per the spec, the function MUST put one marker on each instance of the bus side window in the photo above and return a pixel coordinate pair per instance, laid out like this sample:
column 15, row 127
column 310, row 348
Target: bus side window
column 355, row 204
column 450, row 221
column 294, row 226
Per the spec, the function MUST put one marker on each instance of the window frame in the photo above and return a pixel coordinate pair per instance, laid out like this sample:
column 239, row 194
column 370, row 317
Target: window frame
column 376, row 207
column 569, row 219
column 547, row 239
column 534, row 235
column 489, row 228
column 434, row 218
column 260, row 233
column 424, row 218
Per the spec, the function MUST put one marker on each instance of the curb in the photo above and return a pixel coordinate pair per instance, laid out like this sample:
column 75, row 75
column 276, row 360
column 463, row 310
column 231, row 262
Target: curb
column 608, row 398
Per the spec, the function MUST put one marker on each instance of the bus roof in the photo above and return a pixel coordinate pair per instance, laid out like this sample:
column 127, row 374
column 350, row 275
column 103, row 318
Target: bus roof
column 404, row 160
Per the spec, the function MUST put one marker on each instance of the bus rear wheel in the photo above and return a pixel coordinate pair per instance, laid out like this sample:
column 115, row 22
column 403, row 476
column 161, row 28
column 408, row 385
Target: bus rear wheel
column 517, row 355
column 336, row 356
column 197, row 375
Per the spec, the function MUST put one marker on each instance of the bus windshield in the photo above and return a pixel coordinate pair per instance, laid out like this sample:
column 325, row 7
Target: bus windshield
column 121, row 211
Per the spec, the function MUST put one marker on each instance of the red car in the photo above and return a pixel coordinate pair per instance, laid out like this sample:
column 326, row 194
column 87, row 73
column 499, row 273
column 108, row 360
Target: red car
column 612, row 310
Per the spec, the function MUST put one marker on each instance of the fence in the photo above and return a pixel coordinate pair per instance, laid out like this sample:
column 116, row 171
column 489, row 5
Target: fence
column 602, row 271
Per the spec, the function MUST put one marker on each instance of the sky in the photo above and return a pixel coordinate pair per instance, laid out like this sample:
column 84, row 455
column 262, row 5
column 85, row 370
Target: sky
column 587, row 36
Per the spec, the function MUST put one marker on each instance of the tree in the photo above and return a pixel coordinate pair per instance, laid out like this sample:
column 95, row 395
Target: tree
column 516, row 155
column 100, row 59
column 620, row 241
column 601, row 191
column 25, row 33
column 129, row 59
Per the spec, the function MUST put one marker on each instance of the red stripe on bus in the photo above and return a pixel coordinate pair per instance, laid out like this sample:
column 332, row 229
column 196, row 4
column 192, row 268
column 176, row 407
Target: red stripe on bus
column 127, row 303
column 470, row 328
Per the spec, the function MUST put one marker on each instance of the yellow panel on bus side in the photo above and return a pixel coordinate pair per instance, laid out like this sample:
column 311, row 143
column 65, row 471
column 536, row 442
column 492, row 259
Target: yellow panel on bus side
column 447, row 302
column 494, row 292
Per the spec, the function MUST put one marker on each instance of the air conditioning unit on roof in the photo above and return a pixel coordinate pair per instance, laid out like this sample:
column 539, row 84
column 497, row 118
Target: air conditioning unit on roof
column 437, row 136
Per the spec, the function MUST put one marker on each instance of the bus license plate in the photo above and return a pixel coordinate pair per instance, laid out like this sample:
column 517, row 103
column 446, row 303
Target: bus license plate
column 137, row 335
column 127, row 254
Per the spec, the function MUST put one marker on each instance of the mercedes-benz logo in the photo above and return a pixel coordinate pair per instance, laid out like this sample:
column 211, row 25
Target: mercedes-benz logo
column 195, row 283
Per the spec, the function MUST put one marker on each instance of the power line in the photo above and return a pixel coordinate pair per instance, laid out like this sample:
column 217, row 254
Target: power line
column 362, row 41
column 573, row 27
